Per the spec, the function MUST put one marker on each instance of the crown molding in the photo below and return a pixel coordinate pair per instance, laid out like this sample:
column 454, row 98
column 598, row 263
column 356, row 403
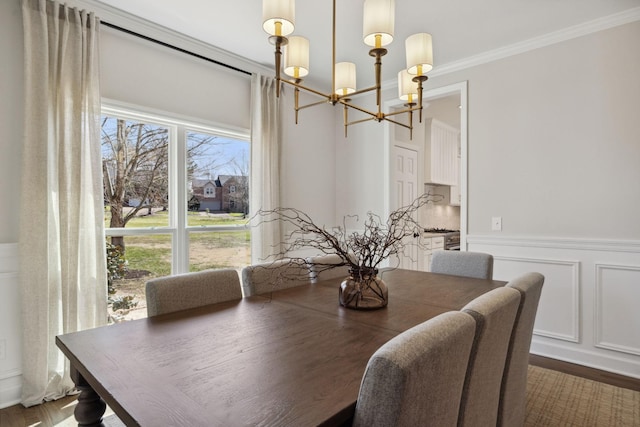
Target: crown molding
column 600, row 24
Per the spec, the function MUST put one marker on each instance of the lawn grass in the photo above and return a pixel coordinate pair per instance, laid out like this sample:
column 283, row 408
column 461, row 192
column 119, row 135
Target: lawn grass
column 161, row 219
column 154, row 260
column 152, row 252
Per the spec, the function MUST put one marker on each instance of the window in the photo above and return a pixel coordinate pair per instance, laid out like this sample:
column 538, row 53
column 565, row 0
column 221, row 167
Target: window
column 160, row 180
column 232, row 189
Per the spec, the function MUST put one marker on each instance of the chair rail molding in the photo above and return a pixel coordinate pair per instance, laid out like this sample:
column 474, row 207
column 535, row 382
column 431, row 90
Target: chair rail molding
column 557, row 242
column 587, row 309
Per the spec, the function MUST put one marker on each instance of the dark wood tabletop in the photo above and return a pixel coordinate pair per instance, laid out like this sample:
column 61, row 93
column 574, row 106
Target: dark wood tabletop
column 292, row 357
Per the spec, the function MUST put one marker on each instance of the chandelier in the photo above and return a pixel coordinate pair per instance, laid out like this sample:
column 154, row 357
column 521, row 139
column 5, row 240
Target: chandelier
column 378, row 26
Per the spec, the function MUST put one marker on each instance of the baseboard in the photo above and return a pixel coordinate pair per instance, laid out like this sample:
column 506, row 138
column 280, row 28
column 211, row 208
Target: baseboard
column 10, row 391
column 593, row 374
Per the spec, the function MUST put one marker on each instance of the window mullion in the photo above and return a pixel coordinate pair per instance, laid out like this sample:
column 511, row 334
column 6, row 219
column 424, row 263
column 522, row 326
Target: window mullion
column 179, row 200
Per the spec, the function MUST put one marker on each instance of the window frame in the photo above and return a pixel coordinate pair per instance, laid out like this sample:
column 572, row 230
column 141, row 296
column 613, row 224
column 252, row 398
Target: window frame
column 178, row 126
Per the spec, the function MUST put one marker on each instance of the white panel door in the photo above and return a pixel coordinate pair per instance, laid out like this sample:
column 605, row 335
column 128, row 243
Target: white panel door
column 404, row 190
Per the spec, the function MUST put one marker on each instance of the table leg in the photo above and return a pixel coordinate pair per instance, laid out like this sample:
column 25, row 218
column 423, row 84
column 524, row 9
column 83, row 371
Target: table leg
column 90, row 407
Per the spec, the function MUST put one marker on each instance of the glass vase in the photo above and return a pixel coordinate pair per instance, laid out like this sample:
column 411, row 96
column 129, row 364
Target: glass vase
column 363, row 290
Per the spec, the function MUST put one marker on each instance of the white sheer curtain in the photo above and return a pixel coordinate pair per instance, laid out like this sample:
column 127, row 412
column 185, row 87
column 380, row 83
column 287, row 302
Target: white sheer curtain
column 62, row 250
column 266, row 136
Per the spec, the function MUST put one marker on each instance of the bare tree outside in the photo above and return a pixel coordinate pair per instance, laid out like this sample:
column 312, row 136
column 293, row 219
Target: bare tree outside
column 136, row 171
column 241, row 194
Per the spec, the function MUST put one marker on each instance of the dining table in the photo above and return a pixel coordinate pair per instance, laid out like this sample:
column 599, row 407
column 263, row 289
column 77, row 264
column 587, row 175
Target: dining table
column 289, row 357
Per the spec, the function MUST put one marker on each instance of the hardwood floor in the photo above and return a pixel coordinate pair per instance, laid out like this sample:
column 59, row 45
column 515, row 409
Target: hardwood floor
column 585, row 372
column 58, row 413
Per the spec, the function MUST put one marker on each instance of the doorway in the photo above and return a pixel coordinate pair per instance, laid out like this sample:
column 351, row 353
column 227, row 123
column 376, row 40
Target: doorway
column 404, row 190
column 459, row 92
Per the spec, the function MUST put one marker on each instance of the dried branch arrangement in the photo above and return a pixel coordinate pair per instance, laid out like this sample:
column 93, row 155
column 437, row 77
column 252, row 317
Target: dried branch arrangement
column 375, row 241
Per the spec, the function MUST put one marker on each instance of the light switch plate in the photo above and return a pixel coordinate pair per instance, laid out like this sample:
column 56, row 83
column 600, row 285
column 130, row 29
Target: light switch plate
column 496, row 223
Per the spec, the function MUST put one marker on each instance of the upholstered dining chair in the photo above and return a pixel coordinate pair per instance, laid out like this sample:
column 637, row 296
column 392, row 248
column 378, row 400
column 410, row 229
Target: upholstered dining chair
column 190, row 290
column 513, row 394
column 416, row 378
column 469, row 264
column 495, row 314
column 268, row 277
column 320, row 268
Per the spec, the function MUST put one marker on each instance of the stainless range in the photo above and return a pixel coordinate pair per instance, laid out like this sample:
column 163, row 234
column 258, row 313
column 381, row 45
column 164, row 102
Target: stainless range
column 451, row 237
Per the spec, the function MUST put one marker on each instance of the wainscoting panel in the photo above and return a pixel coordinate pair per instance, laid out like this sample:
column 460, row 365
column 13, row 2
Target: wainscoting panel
column 618, row 308
column 10, row 327
column 588, row 312
column 560, row 294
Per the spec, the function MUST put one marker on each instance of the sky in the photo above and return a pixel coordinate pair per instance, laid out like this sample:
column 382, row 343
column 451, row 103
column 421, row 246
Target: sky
column 219, row 158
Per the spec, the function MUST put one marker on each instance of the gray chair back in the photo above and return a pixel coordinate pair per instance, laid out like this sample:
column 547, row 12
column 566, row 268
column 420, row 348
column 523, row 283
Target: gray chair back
column 495, row 314
column 190, row 290
column 321, row 268
column 416, row 378
column 468, row 264
column 259, row 279
column 513, row 395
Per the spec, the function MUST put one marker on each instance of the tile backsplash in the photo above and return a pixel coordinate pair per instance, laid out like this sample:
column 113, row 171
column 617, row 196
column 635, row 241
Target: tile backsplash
column 441, row 214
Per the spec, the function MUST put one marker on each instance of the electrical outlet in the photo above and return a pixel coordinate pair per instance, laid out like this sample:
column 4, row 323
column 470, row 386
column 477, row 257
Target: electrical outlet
column 3, row 349
column 496, row 223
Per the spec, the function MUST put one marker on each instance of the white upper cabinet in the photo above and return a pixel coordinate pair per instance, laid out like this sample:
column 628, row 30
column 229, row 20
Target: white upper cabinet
column 441, row 153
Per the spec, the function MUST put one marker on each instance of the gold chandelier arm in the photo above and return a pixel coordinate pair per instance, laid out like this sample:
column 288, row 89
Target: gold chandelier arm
column 313, row 91
column 405, row 110
column 359, row 121
column 312, row 105
column 397, row 123
column 278, row 41
column 297, row 99
column 375, row 116
column 333, row 51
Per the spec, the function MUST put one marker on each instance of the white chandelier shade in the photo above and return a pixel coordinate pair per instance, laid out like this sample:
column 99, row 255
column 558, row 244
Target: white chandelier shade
column 378, row 21
column 407, row 88
column 345, row 78
column 419, row 53
column 296, row 57
column 278, row 17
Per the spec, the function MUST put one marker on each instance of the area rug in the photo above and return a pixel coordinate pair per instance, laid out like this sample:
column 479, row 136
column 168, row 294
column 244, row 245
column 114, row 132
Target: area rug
column 557, row 399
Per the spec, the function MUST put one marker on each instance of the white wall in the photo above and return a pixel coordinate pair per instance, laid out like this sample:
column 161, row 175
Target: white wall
column 308, row 177
column 554, row 149
column 11, row 113
column 140, row 72
column 553, row 138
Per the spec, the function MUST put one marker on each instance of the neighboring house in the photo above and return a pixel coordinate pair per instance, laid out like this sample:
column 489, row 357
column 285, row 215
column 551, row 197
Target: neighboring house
column 228, row 193
column 235, row 193
column 206, row 195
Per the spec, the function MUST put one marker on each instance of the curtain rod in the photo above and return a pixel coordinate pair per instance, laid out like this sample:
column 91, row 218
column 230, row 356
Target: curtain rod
column 170, row 46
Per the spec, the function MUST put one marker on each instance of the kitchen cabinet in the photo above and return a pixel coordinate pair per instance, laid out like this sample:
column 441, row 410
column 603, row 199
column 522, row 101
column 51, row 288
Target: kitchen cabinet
column 441, row 153
column 430, row 245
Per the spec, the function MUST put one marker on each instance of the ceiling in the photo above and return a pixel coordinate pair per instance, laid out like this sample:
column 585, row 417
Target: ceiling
column 460, row 28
